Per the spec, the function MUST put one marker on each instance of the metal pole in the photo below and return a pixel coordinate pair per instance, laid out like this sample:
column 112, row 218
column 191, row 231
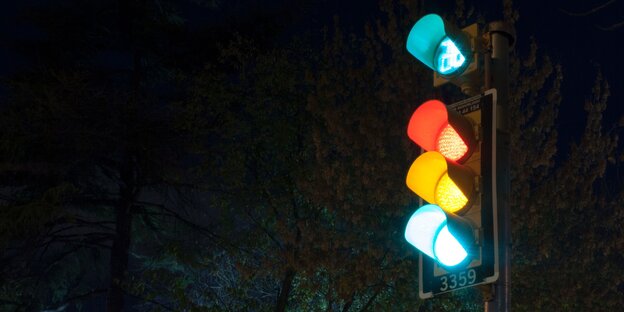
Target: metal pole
column 501, row 39
column 487, row 291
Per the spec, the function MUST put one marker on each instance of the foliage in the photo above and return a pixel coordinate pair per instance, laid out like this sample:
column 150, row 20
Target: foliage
column 565, row 218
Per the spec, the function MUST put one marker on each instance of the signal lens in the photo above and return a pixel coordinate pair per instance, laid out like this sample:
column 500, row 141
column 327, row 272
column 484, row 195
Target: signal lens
column 449, row 196
column 429, row 230
column 450, row 144
column 424, row 37
column 434, row 128
column 424, row 226
column 447, row 249
column 442, row 182
column 448, row 57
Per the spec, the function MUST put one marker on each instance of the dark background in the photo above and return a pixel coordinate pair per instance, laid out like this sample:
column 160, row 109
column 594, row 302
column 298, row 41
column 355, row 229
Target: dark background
column 575, row 34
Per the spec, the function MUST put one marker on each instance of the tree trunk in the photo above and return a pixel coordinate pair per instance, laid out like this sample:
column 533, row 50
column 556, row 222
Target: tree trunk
column 282, row 298
column 121, row 242
column 128, row 11
column 129, row 191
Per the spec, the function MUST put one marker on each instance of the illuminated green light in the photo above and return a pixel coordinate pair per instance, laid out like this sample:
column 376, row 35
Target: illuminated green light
column 448, row 57
column 423, row 227
column 447, row 249
column 440, row 46
column 428, row 231
column 424, row 38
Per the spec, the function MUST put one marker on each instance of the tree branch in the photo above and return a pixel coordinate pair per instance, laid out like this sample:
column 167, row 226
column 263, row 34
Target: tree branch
column 265, row 230
column 216, row 239
column 611, row 27
column 589, row 12
column 162, row 305
column 79, row 297
column 370, row 301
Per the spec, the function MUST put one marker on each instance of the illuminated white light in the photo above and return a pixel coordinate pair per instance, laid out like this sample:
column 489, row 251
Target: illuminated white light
column 449, row 57
column 447, row 249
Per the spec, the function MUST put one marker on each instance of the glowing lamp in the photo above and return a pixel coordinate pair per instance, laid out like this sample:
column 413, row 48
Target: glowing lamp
column 434, row 128
column 441, row 182
column 441, row 236
column 448, row 58
column 439, row 45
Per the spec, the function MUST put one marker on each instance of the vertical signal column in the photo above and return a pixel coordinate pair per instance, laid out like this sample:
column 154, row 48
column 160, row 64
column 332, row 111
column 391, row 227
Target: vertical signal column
column 439, row 177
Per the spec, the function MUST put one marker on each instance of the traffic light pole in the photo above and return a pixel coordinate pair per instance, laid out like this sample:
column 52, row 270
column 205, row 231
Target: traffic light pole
column 498, row 298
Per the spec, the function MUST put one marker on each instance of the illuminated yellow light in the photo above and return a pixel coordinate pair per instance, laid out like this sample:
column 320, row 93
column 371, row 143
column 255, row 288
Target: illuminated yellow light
column 448, row 196
column 424, row 174
column 450, row 144
column 430, row 179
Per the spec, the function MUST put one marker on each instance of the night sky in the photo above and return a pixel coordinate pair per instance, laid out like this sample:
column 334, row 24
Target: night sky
column 582, row 35
column 582, row 44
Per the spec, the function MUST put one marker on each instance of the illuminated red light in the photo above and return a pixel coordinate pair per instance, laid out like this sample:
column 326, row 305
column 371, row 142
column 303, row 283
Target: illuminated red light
column 433, row 128
column 450, row 144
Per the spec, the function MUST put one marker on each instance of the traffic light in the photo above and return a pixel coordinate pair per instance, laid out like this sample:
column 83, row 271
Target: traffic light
column 452, row 53
column 456, row 232
column 440, row 177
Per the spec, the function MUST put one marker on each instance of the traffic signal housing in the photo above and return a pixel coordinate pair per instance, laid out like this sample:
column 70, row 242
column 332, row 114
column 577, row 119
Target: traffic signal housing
column 440, row 177
column 456, row 230
column 452, row 53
